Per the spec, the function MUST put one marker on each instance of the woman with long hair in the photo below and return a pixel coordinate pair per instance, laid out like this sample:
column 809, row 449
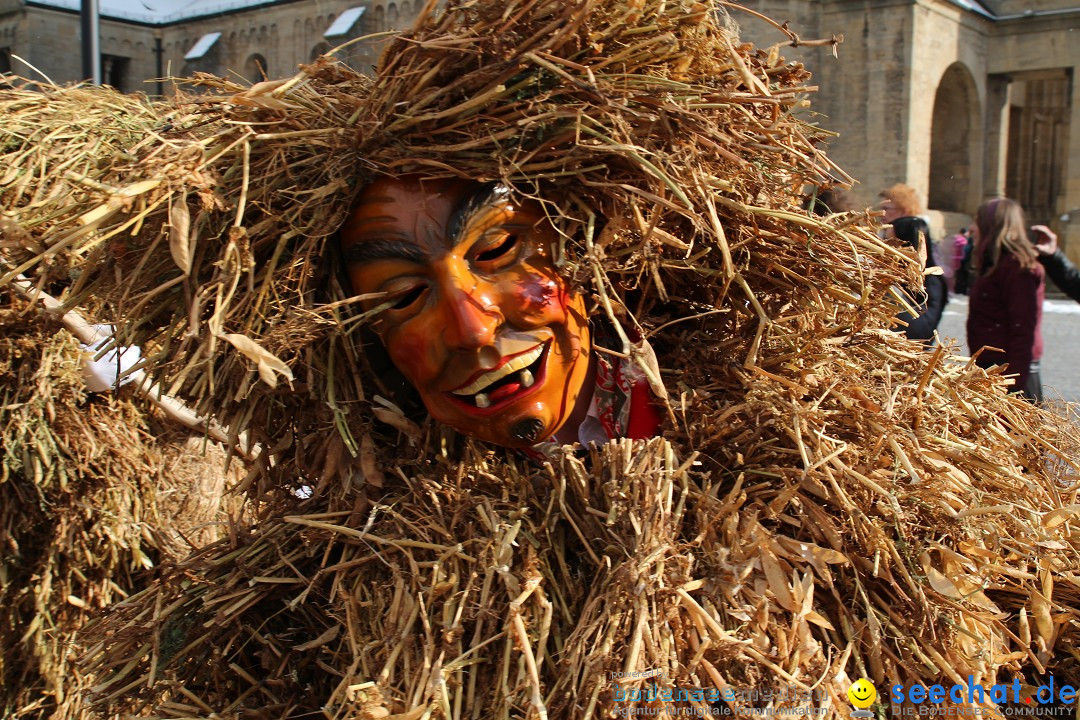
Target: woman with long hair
column 1007, row 296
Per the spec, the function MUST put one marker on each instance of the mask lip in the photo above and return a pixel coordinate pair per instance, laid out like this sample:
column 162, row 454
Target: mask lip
column 539, row 375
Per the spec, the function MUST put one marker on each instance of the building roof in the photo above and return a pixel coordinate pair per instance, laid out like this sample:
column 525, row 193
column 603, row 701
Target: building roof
column 974, row 6
column 345, row 22
column 157, row 12
column 200, row 48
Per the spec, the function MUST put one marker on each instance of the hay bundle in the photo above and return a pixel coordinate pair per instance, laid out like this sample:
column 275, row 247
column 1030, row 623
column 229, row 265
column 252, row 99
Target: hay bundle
column 828, row 500
column 90, row 500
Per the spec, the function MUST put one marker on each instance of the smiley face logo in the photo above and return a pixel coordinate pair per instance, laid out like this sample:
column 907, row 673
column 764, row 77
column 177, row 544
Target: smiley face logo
column 862, row 693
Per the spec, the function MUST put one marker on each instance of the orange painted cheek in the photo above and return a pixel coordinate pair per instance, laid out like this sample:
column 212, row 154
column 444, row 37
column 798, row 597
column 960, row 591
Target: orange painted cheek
column 357, row 277
column 412, row 352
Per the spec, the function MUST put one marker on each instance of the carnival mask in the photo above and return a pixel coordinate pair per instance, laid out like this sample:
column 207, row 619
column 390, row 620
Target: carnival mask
column 471, row 309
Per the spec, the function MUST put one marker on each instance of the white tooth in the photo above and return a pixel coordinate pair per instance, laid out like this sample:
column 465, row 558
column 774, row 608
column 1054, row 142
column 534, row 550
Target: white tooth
column 527, row 378
column 482, row 400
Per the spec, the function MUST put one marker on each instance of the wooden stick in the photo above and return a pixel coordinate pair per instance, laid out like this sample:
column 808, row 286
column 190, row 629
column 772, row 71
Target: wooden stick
column 175, row 410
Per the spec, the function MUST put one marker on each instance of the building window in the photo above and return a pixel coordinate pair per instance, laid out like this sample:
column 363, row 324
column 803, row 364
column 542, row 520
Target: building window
column 255, row 68
column 5, row 60
column 319, row 50
column 114, row 71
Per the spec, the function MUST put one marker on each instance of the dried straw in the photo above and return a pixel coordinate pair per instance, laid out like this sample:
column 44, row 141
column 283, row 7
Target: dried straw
column 93, row 492
column 828, row 500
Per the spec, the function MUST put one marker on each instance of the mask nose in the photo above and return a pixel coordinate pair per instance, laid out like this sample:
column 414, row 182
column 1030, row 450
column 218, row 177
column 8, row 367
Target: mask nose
column 472, row 315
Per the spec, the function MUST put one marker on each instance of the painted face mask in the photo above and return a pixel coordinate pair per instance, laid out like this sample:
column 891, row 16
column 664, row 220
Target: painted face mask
column 473, row 313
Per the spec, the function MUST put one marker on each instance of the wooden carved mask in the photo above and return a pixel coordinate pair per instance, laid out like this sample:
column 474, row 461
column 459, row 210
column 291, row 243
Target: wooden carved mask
column 473, row 312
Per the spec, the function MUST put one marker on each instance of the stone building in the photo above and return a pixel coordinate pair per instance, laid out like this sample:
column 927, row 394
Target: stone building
column 145, row 40
column 961, row 99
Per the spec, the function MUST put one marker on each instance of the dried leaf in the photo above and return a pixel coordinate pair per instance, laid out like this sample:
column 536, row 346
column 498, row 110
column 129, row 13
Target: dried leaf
column 402, row 423
column 1040, row 610
column 1052, row 545
column 136, row 189
column 268, row 363
column 1009, row 657
column 646, row 359
column 814, row 554
column 805, row 591
column 818, row 619
column 1056, row 517
column 372, row 474
column 778, row 581
column 323, row 639
column 264, row 88
column 180, row 234
column 261, row 95
column 415, row 714
column 937, row 579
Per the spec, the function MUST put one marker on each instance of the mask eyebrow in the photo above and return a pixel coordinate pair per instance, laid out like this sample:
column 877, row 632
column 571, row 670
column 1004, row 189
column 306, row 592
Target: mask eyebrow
column 384, row 249
column 486, row 197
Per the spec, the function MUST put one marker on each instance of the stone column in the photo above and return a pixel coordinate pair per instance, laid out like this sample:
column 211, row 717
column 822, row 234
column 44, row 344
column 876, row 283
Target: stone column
column 996, row 122
column 1068, row 227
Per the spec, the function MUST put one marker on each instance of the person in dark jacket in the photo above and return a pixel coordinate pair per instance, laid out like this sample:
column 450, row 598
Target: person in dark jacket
column 914, row 233
column 1004, row 323
column 1057, row 265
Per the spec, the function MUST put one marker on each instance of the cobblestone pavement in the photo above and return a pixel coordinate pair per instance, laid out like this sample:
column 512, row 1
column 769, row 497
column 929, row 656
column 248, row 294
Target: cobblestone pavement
column 1061, row 343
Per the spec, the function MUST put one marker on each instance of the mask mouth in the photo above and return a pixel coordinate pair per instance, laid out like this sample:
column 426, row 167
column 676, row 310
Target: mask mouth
column 515, row 364
column 505, row 384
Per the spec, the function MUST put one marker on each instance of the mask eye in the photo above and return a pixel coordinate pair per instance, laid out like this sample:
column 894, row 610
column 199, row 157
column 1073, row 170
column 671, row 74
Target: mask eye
column 405, row 299
column 503, row 248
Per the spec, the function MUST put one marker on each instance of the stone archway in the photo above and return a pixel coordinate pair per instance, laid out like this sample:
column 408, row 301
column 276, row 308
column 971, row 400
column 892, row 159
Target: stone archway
column 955, row 178
column 255, row 68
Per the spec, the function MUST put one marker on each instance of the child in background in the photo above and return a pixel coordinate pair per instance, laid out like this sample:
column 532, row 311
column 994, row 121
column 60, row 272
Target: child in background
column 961, row 261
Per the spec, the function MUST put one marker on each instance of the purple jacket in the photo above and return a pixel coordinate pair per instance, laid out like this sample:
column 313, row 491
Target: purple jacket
column 1006, row 313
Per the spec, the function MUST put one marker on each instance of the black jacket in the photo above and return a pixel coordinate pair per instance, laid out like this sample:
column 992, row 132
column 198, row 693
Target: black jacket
column 1064, row 274
column 930, row 303
column 931, row 308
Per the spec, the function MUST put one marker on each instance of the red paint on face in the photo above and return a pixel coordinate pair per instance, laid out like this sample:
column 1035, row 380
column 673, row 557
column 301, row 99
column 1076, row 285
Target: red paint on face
column 536, row 294
column 473, row 308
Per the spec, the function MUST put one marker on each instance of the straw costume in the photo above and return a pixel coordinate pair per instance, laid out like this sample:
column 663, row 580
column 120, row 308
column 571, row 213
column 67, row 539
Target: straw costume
column 827, row 500
column 94, row 490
